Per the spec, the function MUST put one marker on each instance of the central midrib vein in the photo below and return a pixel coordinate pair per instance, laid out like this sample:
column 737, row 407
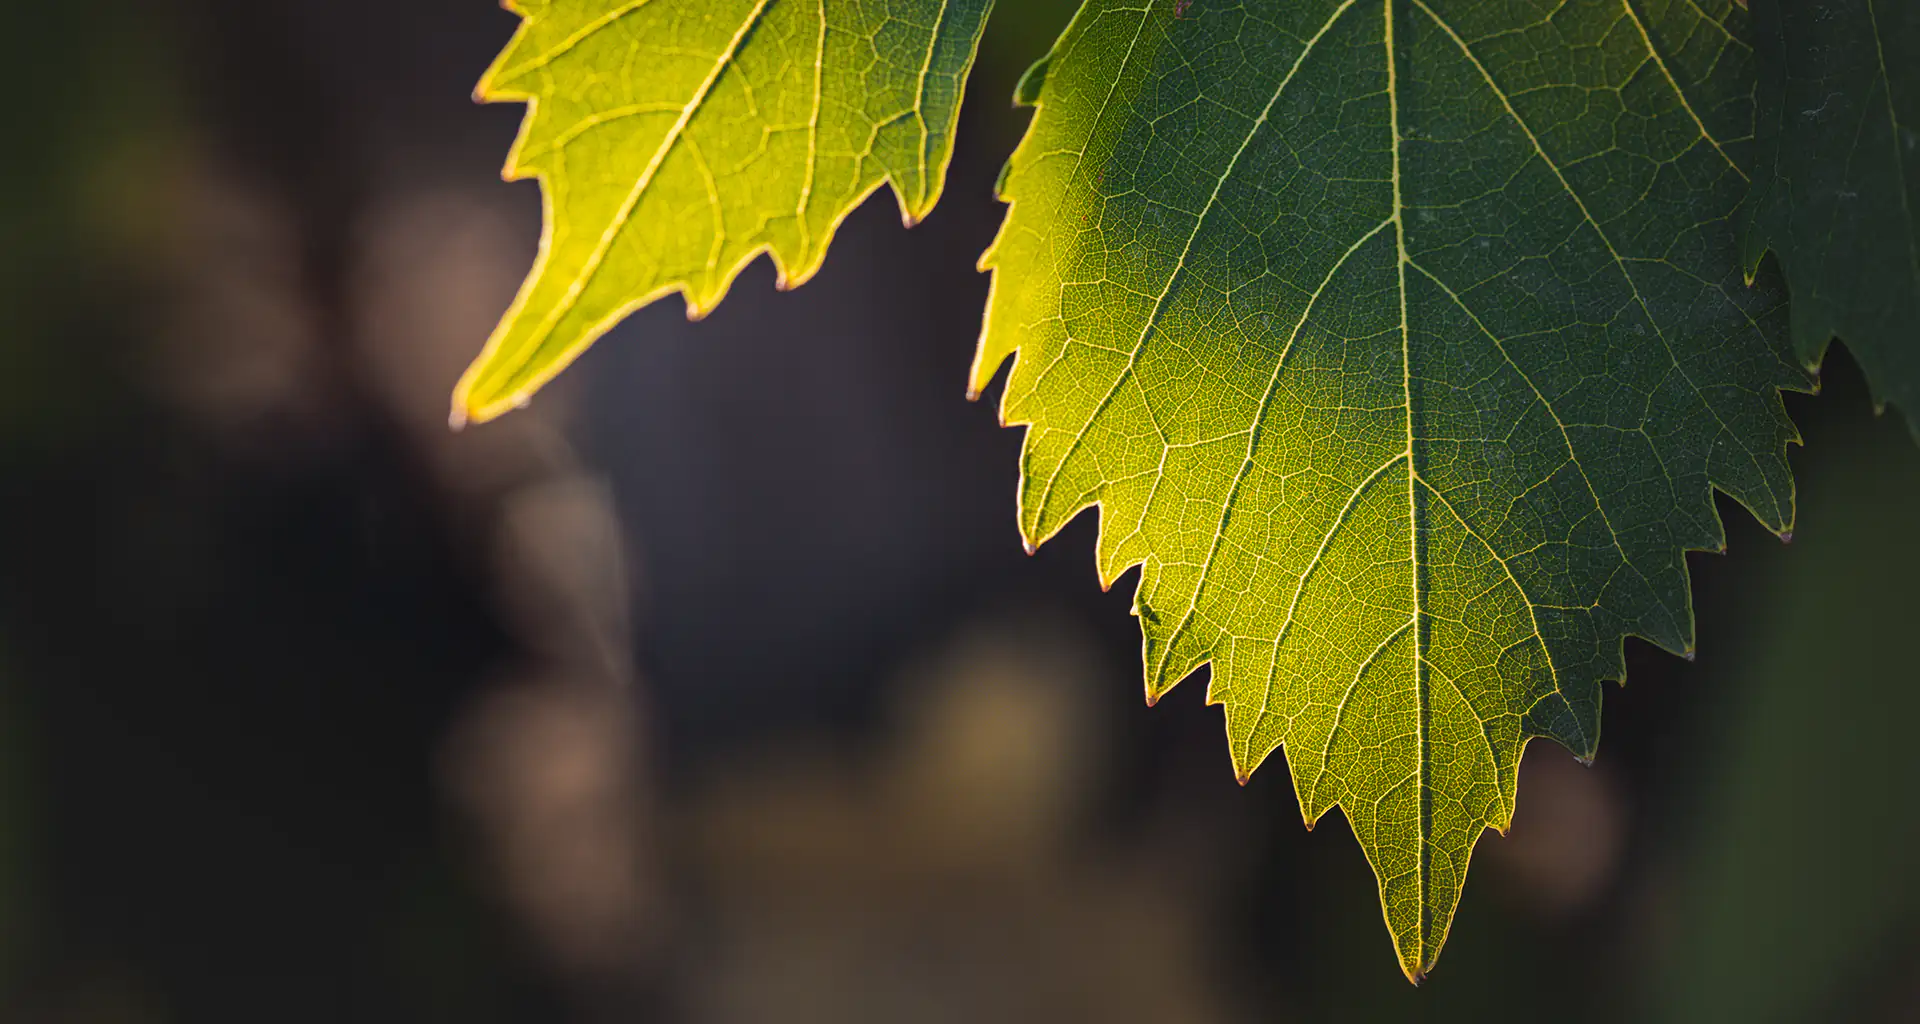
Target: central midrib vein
column 1422, row 854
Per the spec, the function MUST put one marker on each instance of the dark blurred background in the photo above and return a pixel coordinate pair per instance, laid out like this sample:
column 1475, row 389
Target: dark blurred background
column 716, row 687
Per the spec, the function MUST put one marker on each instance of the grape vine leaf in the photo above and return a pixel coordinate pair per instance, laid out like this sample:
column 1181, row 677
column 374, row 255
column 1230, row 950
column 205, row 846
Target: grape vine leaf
column 1836, row 190
column 677, row 139
column 1401, row 343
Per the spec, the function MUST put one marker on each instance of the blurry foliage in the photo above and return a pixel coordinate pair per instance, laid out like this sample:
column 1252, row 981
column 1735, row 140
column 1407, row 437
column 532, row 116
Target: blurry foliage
column 1796, row 898
column 80, row 208
column 154, row 586
column 16, row 826
column 76, row 217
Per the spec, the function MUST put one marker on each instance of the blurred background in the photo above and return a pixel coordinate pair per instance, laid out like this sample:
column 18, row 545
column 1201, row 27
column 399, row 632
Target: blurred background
column 716, row 686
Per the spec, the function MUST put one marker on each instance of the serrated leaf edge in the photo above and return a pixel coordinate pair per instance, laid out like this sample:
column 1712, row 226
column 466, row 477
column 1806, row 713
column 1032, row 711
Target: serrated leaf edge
column 469, row 404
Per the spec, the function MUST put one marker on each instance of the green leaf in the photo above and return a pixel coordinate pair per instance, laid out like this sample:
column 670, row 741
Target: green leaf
column 1401, row 343
column 1836, row 191
column 678, row 139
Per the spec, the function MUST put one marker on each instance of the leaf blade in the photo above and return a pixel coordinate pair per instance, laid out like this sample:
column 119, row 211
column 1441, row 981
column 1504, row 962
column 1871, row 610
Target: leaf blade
column 741, row 126
column 1836, row 194
column 1404, row 378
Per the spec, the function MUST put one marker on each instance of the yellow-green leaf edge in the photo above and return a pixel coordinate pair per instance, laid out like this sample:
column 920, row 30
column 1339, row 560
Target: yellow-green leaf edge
column 1752, row 366
column 540, row 334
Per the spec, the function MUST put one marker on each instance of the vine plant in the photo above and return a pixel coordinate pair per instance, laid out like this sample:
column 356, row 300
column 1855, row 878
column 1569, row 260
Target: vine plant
column 1400, row 343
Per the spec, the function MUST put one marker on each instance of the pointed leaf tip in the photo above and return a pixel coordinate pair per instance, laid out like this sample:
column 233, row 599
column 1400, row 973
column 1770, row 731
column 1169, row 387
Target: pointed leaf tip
column 621, row 191
column 1026, row 92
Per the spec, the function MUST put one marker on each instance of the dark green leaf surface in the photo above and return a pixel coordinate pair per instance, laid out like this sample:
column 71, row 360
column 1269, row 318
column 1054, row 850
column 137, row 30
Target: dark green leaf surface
column 678, row 139
column 1401, row 343
column 1837, row 184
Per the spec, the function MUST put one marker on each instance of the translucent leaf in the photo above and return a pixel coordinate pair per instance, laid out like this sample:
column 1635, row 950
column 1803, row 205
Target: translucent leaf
column 678, row 139
column 1401, row 344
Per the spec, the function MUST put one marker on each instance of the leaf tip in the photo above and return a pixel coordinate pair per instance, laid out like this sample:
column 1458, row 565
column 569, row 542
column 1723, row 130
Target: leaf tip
column 1152, row 698
column 470, row 409
column 1242, row 777
column 1026, row 93
column 1690, row 654
column 1028, row 546
column 1786, row 536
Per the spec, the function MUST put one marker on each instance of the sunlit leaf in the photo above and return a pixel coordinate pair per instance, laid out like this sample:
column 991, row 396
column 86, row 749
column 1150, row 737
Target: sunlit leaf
column 678, row 139
column 1401, row 343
